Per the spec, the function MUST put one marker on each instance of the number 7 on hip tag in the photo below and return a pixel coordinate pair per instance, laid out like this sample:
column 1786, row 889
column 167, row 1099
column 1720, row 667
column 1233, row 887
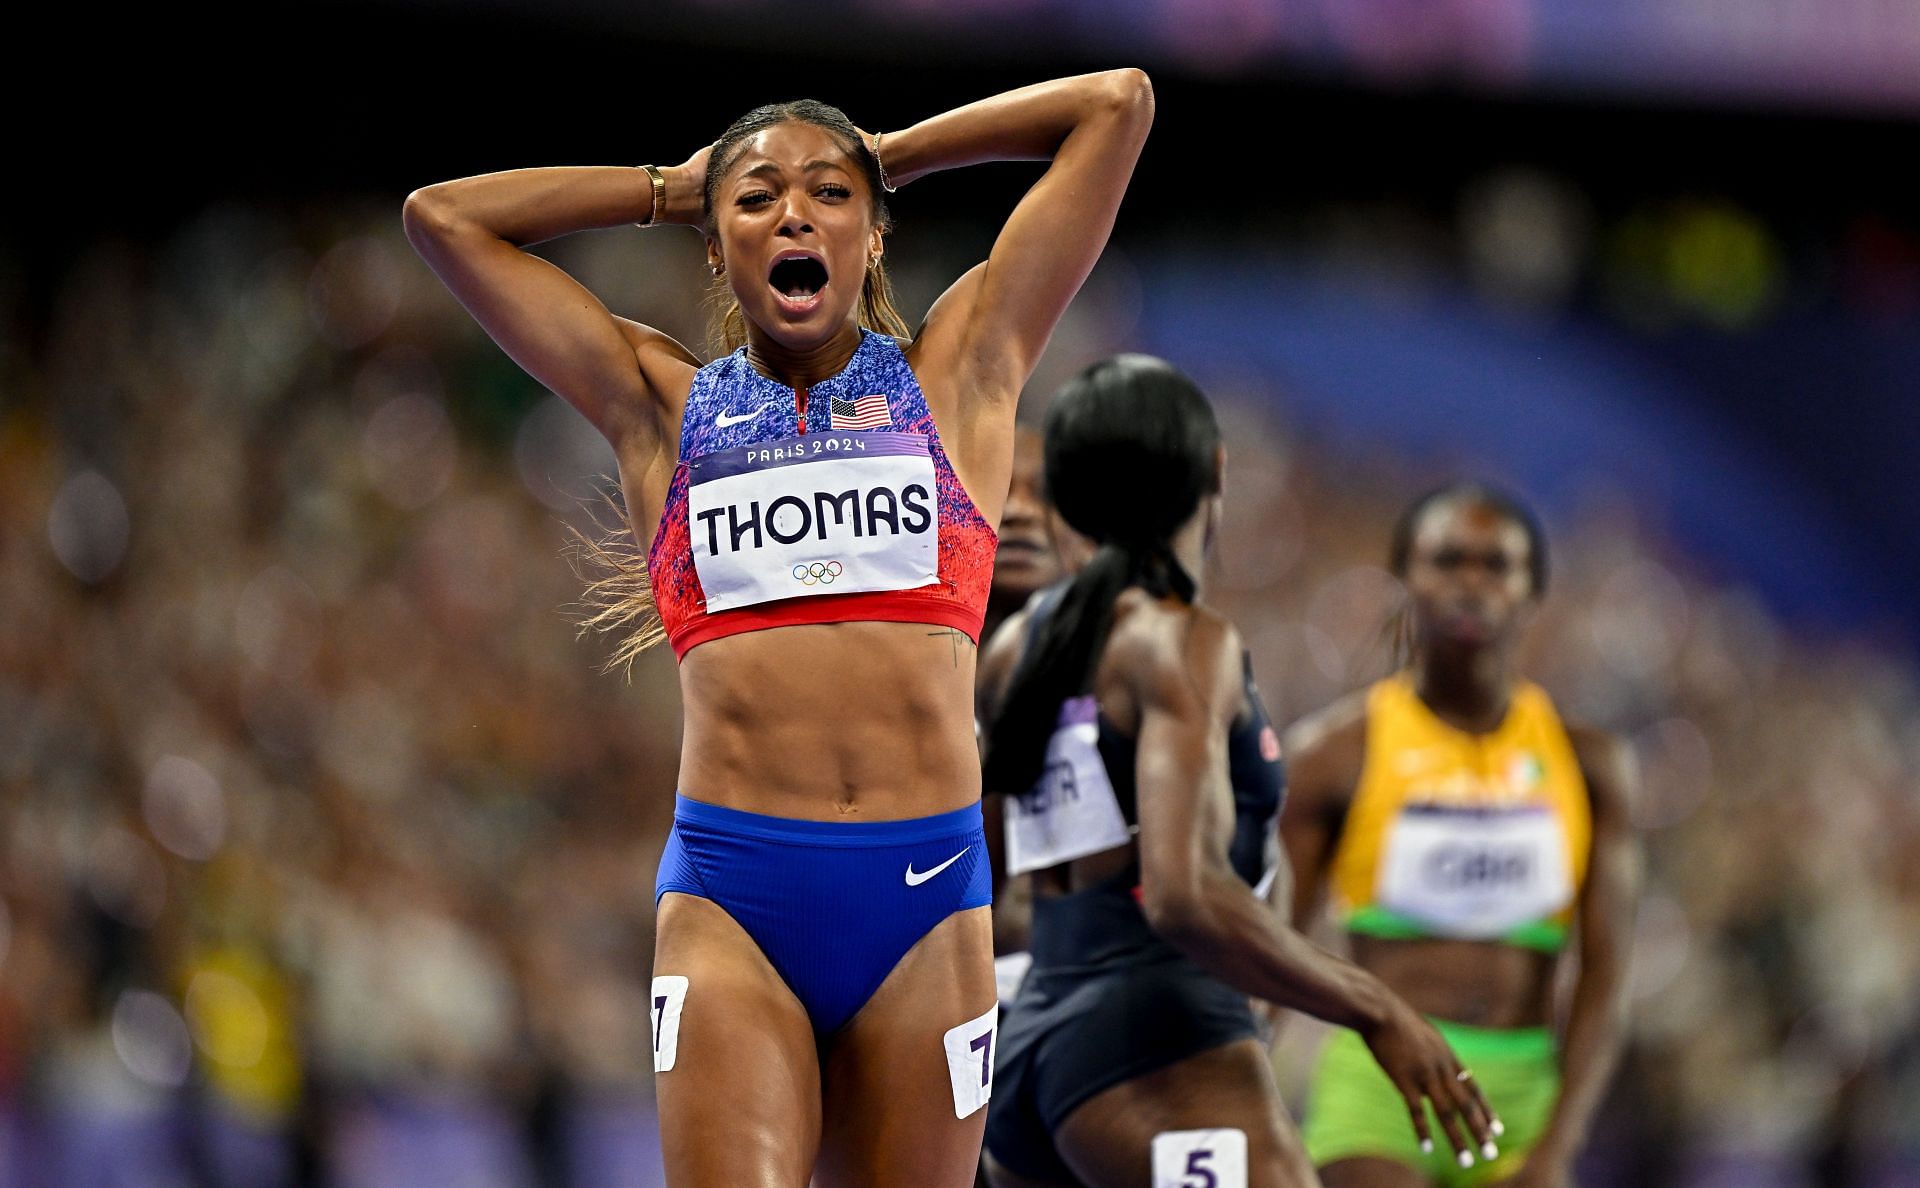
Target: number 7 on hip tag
column 669, row 996
column 970, row 1061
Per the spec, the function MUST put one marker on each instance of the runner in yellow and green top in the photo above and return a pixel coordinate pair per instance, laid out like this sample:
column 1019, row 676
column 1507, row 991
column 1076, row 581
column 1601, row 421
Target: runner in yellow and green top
column 1467, row 841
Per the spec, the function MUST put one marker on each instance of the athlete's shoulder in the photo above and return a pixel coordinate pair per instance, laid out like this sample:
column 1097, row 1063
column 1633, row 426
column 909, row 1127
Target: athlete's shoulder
column 1327, row 749
column 946, row 350
column 720, row 373
column 1168, row 631
column 666, row 367
column 1174, row 650
column 1330, row 724
column 1606, row 764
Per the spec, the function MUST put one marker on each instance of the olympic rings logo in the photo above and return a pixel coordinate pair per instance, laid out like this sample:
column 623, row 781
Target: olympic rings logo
column 819, row 573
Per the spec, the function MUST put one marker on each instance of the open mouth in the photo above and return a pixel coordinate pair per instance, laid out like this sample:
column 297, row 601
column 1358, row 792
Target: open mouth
column 798, row 279
column 1467, row 623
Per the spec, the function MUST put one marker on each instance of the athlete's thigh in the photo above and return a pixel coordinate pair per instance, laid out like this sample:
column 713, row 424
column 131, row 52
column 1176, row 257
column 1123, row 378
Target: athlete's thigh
column 893, row 1100
column 740, row 1105
column 1108, row 1139
column 1366, row 1171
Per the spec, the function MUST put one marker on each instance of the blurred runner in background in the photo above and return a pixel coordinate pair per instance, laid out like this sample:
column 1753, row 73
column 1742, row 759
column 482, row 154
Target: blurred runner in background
column 1467, row 837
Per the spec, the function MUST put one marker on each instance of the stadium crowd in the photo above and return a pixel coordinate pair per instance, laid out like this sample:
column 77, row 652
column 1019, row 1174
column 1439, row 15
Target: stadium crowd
column 327, row 848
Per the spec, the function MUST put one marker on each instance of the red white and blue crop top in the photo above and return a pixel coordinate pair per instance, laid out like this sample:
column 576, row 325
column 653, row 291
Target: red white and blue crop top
column 829, row 504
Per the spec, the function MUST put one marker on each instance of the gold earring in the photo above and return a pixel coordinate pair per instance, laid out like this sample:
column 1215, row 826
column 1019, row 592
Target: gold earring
column 717, row 270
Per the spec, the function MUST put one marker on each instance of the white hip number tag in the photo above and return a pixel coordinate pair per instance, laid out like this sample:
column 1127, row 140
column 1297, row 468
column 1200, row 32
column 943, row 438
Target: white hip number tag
column 970, row 1061
column 669, row 996
column 1200, row 1159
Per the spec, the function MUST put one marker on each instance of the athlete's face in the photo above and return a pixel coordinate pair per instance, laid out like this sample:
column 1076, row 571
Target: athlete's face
column 1467, row 575
column 1026, row 560
column 794, row 229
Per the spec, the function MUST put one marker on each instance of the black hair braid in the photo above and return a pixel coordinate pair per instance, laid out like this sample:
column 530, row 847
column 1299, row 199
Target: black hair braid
column 1132, row 448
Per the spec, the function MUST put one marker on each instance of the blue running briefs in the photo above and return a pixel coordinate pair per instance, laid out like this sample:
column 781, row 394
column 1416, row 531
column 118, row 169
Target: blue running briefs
column 834, row 906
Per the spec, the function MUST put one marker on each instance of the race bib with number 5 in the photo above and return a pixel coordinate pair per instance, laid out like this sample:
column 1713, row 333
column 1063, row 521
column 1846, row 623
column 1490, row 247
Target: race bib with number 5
column 1200, row 1159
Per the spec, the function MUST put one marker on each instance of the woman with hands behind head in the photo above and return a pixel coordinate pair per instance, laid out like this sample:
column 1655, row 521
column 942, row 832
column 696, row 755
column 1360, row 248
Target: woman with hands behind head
column 817, row 512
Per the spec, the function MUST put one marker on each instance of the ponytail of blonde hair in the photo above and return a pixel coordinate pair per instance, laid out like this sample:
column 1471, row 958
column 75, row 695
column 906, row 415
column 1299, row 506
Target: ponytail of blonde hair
column 618, row 595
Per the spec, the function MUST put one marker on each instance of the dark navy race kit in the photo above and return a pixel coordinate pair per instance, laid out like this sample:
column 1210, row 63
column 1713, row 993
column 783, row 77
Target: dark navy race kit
column 1107, row 1000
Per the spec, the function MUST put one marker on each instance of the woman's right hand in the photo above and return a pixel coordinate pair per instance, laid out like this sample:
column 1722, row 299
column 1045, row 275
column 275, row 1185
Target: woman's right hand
column 1424, row 1069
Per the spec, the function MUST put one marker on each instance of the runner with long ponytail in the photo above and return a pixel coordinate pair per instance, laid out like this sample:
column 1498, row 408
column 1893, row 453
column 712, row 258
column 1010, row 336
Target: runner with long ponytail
column 1140, row 783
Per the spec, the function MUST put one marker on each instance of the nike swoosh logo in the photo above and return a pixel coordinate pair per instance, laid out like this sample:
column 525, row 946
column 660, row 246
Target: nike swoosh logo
column 723, row 420
column 915, row 879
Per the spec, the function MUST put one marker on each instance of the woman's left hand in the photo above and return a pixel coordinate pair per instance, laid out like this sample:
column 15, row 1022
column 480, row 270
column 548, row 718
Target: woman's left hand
column 686, row 191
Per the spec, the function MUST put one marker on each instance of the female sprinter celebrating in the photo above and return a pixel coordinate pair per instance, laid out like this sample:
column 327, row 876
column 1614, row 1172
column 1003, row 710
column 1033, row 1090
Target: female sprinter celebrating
column 820, row 506
column 1464, row 832
column 1153, row 779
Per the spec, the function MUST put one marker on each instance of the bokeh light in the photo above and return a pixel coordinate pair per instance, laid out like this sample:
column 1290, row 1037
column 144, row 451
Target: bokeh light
column 562, row 460
column 151, row 1039
column 184, row 808
column 88, row 526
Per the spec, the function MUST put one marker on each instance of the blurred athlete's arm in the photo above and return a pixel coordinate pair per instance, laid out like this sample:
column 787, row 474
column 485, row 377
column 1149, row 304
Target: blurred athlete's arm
column 1279, row 900
column 1324, row 753
column 1188, row 686
column 1322, row 769
column 1012, row 898
column 473, row 233
column 1597, row 1014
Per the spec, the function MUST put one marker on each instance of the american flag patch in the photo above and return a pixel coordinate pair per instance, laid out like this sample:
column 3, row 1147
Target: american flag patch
column 867, row 412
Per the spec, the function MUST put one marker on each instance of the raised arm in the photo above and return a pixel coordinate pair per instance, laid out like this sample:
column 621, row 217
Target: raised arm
column 989, row 329
column 473, row 233
column 1189, row 691
column 1597, row 1014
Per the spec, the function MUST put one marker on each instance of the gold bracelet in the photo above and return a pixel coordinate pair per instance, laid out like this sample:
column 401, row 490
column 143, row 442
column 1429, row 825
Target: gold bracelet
column 659, row 195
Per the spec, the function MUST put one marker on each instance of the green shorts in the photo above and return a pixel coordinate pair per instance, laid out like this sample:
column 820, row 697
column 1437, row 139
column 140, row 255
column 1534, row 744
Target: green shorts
column 1353, row 1110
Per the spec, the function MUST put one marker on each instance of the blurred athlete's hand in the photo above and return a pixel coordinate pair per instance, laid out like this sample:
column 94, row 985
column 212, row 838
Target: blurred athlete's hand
column 1423, row 1068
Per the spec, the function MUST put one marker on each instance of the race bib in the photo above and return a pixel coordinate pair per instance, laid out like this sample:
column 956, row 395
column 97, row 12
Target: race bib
column 1072, row 811
column 1200, row 1159
column 970, row 1061
column 669, row 999
column 1475, row 872
column 824, row 513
